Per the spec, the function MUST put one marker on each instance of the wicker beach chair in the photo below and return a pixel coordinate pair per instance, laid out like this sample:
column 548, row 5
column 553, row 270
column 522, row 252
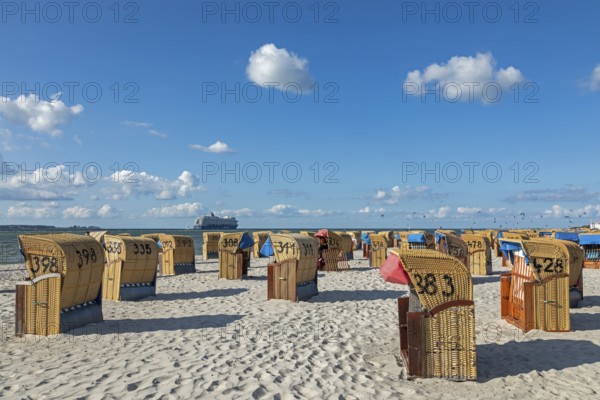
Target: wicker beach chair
column 545, row 282
column 356, row 239
column 510, row 236
column 366, row 243
column 378, row 251
column 417, row 240
column 210, row 245
column 63, row 288
column 293, row 275
column 98, row 235
column 176, row 255
column 234, row 255
column 437, row 318
column 347, row 244
column 447, row 242
column 131, row 265
column 259, row 240
column 335, row 255
column 389, row 236
column 480, row 254
column 590, row 243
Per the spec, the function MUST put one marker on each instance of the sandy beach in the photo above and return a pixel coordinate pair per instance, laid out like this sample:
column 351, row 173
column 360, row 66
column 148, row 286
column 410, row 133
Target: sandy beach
column 205, row 337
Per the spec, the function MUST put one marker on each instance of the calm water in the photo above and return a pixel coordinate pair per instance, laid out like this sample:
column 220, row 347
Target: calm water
column 10, row 254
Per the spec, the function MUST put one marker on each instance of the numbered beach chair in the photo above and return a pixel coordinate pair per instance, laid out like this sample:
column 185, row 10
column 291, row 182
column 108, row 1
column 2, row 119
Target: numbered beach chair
column 356, row 239
column 590, row 243
column 259, row 240
column 378, row 252
column 177, row 254
column 437, row 318
column 480, row 254
column 98, row 235
column 545, row 282
column 334, row 256
column 234, row 255
column 389, row 237
column 63, row 288
column 417, row 240
column 511, row 236
column 293, row 275
column 210, row 245
column 448, row 243
column 131, row 265
column 346, row 244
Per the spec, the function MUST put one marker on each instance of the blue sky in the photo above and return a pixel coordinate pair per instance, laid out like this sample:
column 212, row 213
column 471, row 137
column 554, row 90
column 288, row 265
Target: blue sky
column 163, row 96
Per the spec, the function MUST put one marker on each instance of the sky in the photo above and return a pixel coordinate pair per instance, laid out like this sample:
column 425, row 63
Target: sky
column 352, row 114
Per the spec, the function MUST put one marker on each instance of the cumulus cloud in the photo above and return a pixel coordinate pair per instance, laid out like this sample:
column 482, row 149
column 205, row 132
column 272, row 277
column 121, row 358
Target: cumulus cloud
column 462, row 76
column 23, row 210
column 559, row 211
column 77, row 212
column 407, row 193
column 270, row 65
column 49, row 182
column 242, row 212
column 217, row 148
column 125, row 184
column 369, row 210
column 39, row 115
column 468, row 210
column 107, row 211
column 175, row 210
column 441, row 212
column 594, row 80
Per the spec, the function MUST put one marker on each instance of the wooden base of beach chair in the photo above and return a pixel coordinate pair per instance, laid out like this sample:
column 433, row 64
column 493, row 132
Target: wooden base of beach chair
column 377, row 257
column 428, row 349
column 233, row 265
column 591, row 264
column 504, row 261
column 282, row 283
column 37, row 308
column 366, row 250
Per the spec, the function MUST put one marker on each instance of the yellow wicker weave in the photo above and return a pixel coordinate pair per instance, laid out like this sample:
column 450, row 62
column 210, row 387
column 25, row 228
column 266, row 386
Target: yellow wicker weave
column 298, row 247
column 259, row 239
column 130, row 261
column 552, row 267
column 210, row 245
column 378, row 253
column 445, row 292
column 389, row 236
column 406, row 245
column 177, row 255
column 480, row 254
column 98, row 235
column 356, row 239
column 452, row 245
column 64, row 273
column 233, row 261
column 347, row 245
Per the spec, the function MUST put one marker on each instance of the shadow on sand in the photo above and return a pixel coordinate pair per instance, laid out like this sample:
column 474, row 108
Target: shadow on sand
column 334, row 296
column 195, row 295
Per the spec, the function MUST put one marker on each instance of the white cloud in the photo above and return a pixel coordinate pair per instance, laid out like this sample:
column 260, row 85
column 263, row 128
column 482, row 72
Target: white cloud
column 281, row 209
column 559, row 211
column 149, row 127
column 77, row 140
column 468, row 210
column 48, row 182
column 175, row 210
column 441, row 212
column 217, row 147
column 39, row 115
column 286, row 210
column 242, row 212
column 594, row 81
column 125, row 184
column 23, row 210
column 77, row 212
column 462, row 76
column 107, row 211
column 369, row 210
column 397, row 194
column 272, row 65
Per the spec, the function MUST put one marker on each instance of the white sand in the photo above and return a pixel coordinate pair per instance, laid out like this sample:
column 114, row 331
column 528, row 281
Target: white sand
column 201, row 336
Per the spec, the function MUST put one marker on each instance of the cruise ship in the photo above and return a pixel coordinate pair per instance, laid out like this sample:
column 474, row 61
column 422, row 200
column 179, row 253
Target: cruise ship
column 211, row 221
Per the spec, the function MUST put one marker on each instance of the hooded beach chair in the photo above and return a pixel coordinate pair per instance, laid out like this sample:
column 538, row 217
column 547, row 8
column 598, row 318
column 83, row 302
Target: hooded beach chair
column 63, row 288
column 131, row 265
column 437, row 318
column 334, row 255
column 293, row 275
column 176, row 253
column 210, row 245
column 545, row 282
column 448, row 243
column 417, row 240
column 234, row 255
column 480, row 253
column 590, row 243
column 366, row 243
column 378, row 252
column 356, row 239
column 259, row 240
column 347, row 244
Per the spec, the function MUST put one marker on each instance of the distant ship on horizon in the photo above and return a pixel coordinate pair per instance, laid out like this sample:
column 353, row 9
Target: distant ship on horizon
column 212, row 221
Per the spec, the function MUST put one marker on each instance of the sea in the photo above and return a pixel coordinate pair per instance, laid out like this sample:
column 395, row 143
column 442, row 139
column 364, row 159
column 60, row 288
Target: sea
column 10, row 253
